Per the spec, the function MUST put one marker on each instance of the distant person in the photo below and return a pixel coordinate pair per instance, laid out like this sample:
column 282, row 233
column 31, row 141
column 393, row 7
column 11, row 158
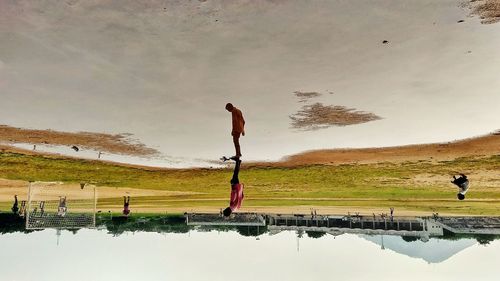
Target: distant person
column 126, row 204
column 22, row 210
column 61, row 209
column 463, row 185
column 15, row 208
column 42, row 208
column 392, row 213
column 238, row 127
column 236, row 190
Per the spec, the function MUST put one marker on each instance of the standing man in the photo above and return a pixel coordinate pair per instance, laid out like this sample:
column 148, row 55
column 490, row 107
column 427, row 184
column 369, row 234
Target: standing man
column 238, row 127
column 61, row 209
column 236, row 190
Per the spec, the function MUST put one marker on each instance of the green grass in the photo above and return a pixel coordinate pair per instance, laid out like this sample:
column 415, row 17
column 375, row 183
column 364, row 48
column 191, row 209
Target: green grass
column 356, row 186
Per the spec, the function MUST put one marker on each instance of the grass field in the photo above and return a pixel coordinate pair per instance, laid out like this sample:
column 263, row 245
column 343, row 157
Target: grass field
column 422, row 186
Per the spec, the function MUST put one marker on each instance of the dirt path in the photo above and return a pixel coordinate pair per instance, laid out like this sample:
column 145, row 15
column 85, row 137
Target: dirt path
column 8, row 188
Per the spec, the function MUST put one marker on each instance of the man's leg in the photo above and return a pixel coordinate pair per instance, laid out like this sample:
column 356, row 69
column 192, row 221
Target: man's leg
column 235, row 179
column 236, row 141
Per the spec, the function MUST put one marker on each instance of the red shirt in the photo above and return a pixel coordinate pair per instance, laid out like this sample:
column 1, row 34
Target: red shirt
column 236, row 196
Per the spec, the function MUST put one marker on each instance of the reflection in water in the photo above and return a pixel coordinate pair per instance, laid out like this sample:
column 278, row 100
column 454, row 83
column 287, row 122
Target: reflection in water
column 432, row 251
column 165, row 74
column 165, row 248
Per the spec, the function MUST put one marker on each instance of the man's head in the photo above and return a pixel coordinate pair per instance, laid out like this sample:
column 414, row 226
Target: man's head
column 460, row 196
column 229, row 107
column 227, row 212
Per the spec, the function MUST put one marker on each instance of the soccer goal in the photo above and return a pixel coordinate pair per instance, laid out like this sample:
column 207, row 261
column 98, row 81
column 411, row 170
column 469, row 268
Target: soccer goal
column 54, row 205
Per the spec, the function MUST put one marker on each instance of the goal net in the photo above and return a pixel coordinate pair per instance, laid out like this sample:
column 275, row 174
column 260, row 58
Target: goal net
column 53, row 205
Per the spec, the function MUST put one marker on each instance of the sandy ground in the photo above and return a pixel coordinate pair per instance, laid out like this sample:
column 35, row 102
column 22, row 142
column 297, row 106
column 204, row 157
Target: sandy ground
column 10, row 187
column 481, row 146
column 317, row 116
column 306, row 96
column 314, row 116
column 487, row 10
column 120, row 144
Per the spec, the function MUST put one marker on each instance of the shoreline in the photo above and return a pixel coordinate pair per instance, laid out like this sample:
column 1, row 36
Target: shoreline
column 411, row 183
column 478, row 146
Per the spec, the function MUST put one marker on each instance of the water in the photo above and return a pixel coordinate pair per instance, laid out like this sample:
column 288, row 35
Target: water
column 187, row 253
column 163, row 71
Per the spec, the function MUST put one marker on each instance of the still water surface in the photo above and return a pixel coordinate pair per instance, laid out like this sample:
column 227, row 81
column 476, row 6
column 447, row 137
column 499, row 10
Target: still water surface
column 228, row 255
column 163, row 71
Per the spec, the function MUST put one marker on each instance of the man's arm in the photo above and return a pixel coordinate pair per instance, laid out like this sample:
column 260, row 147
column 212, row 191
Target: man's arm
column 243, row 124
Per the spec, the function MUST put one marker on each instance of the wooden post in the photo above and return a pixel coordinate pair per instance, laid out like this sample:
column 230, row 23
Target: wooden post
column 397, row 221
column 28, row 210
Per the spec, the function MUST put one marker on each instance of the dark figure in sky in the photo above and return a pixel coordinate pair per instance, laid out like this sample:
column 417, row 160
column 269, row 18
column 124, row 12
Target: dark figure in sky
column 463, row 185
column 15, row 207
column 126, row 203
column 236, row 190
column 238, row 128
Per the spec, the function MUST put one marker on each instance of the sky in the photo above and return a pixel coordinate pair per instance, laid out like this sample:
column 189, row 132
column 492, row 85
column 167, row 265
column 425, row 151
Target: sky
column 163, row 71
column 96, row 255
